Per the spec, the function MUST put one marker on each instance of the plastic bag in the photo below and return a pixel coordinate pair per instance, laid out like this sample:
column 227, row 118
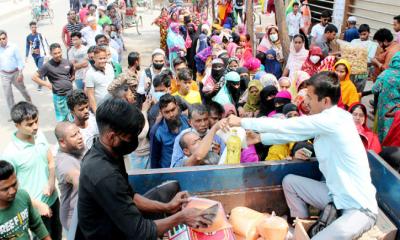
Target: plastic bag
column 273, row 228
column 244, row 222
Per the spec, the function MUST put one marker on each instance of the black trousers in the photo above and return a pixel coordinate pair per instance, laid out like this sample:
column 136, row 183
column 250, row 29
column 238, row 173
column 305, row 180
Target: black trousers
column 53, row 224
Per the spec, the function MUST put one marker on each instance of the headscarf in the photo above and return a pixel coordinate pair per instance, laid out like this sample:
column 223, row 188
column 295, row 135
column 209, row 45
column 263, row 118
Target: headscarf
column 224, row 96
column 241, row 29
column 230, row 60
column 267, row 106
column 244, row 82
column 298, row 78
column 253, row 64
column 265, row 43
column 268, row 80
column 259, row 74
column 229, row 108
column 299, row 101
column 308, row 66
column 273, row 66
column 349, row 93
column 290, row 107
column 231, row 48
column 296, row 59
column 282, row 97
column 285, row 79
column 253, row 101
column 369, row 138
column 228, row 23
column 174, row 40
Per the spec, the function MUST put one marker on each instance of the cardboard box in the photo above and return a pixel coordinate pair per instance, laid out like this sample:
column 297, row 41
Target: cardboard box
column 384, row 229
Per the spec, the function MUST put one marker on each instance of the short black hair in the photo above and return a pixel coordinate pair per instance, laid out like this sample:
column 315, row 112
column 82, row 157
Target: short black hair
column 23, row 111
column 326, row 84
column 198, row 108
column 98, row 37
column 92, row 5
column 54, row 46
column 331, row 28
column 32, row 23
column 119, row 91
column 91, row 49
column 364, row 28
column 119, row 116
column 6, row 170
column 84, row 4
column 383, row 34
column 179, row 60
column 215, row 107
column 162, row 79
column 326, row 14
column 76, row 98
column 76, row 34
column 133, row 57
column 185, row 74
column 165, row 100
column 2, row 32
column 295, row 4
column 397, row 18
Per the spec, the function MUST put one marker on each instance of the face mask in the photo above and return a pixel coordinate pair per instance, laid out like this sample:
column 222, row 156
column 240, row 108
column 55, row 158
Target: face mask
column 113, row 34
column 279, row 109
column 125, row 147
column 315, row 59
column 158, row 66
column 244, row 80
column 217, row 74
column 274, row 37
column 158, row 95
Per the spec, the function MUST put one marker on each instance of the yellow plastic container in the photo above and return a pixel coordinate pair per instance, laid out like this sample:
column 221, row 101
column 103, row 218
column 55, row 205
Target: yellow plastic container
column 234, row 148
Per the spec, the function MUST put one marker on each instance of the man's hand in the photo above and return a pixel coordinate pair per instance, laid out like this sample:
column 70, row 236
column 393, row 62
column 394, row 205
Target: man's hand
column 43, row 209
column 252, row 138
column 176, row 203
column 147, row 104
column 20, row 77
column 299, row 155
column 234, row 121
column 194, row 218
column 48, row 85
column 48, row 189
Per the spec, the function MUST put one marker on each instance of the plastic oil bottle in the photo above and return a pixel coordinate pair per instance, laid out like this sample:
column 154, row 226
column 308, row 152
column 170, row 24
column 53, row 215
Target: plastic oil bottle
column 234, row 147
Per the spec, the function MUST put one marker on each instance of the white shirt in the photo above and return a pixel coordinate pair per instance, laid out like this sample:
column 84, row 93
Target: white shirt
column 317, row 32
column 293, row 22
column 90, row 132
column 78, row 56
column 99, row 80
column 89, row 35
column 340, row 152
column 144, row 81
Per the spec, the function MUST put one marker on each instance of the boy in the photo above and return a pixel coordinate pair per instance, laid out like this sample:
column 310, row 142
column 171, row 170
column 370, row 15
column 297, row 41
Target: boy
column 17, row 214
column 293, row 20
column 185, row 79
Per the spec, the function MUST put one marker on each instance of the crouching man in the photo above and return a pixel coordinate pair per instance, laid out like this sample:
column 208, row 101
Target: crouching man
column 340, row 153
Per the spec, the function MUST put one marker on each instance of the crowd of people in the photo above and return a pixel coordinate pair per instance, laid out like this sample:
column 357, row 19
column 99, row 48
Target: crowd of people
column 205, row 77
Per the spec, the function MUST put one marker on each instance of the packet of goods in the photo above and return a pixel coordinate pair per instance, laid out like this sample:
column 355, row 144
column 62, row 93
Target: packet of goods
column 357, row 57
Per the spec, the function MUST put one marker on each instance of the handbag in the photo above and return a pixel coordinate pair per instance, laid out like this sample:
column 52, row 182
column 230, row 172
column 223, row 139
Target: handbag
column 326, row 217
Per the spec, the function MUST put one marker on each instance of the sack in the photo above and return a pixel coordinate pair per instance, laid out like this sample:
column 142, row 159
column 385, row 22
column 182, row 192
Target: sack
column 327, row 216
column 188, row 41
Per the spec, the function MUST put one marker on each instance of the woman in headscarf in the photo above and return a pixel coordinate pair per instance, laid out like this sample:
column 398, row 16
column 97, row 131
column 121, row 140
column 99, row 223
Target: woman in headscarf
column 369, row 138
column 252, row 106
column 387, row 86
column 271, row 41
column 173, row 16
column 203, row 56
column 349, row 94
column 228, row 23
column 267, row 96
column 162, row 23
column 176, row 43
column 392, row 139
column 297, row 56
column 233, row 64
column 271, row 64
column 212, row 83
column 284, row 83
column 230, row 91
column 313, row 61
column 232, row 45
column 299, row 102
column 298, row 82
column 281, row 99
column 268, row 80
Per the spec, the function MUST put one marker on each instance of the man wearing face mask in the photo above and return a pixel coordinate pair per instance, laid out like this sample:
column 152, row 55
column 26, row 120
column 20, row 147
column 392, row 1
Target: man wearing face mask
column 147, row 76
column 213, row 83
column 108, row 206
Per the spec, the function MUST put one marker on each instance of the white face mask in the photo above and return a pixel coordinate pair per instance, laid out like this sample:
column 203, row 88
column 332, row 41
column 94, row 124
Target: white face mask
column 274, row 37
column 314, row 59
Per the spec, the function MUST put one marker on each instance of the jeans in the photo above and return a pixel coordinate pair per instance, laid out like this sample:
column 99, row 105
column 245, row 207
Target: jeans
column 38, row 61
column 300, row 191
column 79, row 84
column 60, row 107
column 53, row 224
column 11, row 79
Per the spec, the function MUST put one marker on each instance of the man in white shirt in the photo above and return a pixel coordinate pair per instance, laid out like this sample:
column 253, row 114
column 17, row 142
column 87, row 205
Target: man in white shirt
column 98, row 77
column 318, row 30
column 77, row 55
column 147, row 76
column 293, row 21
column 339, row 151
column 90, row 32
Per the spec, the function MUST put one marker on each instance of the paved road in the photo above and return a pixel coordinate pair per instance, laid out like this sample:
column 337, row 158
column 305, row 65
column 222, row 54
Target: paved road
column 17, row 29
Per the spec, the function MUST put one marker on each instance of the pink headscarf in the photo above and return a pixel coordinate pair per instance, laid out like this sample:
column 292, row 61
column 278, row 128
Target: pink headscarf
column 284, row 94
column 252, row 64
column 174, row 27
column 296, row 59
column 231, row 48
column 229, row 108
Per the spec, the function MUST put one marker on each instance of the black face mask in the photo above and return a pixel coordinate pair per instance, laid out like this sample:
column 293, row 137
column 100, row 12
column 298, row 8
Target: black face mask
column 234, row 91
column 158, row 66
column 225, row 60
column 126, row 147
column 217, row 74
column 279, row 109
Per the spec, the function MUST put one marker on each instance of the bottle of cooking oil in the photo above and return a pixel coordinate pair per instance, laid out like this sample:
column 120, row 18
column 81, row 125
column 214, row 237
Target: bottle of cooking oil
column 234, row 147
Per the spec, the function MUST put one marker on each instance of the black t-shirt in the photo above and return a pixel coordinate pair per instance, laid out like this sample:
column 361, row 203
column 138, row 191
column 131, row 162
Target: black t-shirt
column 59, row 74
column 105, row 206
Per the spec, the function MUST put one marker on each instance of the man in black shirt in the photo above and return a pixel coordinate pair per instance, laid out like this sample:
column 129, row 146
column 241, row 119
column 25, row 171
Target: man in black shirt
column 108, row 208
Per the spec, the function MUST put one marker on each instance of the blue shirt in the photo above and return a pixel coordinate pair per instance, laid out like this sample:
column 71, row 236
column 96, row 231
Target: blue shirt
column 10, row 59
column 162, row 142
column 178, row 156
column 340, row 152
column 34, row 42
column 351, row 34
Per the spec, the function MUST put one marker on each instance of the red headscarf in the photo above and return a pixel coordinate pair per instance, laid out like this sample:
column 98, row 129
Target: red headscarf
column 308, row 66
column 393, row 137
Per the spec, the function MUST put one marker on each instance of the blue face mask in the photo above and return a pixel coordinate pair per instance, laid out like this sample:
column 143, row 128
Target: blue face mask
column 158, row 95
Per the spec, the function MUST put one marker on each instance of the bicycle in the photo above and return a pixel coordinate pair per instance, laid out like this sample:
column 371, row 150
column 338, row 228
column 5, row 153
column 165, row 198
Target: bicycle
column 42, row 11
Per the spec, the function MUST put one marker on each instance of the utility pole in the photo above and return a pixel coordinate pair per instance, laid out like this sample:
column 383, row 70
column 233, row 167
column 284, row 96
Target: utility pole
column 283, row 33
column 250, row 24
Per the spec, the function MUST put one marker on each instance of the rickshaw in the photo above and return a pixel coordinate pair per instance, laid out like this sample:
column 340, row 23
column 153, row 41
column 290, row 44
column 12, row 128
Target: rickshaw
column 131, row 17
column 41, row 10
